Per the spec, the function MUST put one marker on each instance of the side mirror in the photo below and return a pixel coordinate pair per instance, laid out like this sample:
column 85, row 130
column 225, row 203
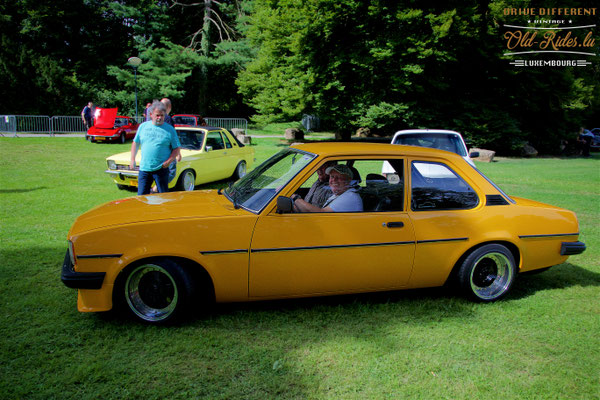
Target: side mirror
column 284, row 205
column 208, row 148
column 474, row 154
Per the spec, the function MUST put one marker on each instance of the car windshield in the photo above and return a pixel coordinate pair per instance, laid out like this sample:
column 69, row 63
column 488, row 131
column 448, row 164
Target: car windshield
column 190, row 140
column 255, row 190
column 120, row 122
column 443, row 141
column 184, row 120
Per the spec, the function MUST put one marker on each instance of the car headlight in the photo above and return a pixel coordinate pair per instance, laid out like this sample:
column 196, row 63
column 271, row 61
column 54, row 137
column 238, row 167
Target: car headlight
column 112, row 164
column 71, row 252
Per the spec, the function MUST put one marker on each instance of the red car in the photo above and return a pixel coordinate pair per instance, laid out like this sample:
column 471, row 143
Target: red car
column 110, row 127
column 188, row 120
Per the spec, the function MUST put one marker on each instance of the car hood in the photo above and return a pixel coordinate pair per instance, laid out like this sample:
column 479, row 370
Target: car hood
column 156, row 207
column 125, row 158
column 105, row 117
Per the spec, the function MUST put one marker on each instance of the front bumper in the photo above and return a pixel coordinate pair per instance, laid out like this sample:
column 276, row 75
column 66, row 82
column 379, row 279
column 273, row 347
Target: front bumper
column 571, row 248
column 122, row 172
column 80, row 280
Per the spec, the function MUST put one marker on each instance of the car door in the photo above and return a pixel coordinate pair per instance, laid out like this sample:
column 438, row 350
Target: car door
column 301, row 254
column 215, row 159
column 445, row 211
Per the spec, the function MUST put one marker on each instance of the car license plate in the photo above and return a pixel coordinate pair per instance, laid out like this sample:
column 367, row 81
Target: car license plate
column 100, row 138
column 133, row 183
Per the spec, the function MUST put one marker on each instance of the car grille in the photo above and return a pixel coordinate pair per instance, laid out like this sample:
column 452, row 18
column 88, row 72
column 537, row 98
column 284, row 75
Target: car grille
column 126, row 168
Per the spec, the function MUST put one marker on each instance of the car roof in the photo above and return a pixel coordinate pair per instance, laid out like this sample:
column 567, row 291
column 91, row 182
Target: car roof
column 198, row 128
column 326, row 149
column 428, row 131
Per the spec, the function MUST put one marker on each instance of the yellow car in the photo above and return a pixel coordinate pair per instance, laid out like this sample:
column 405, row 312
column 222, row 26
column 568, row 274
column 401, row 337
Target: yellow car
column 436, row 219
column 207, row 155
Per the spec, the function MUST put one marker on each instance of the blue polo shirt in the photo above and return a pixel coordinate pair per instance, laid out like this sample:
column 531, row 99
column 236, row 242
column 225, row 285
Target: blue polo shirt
column 156, row 142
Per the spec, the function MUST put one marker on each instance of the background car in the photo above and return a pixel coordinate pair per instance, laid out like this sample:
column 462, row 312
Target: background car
column 110, row 127
column 160, row 256
column 208, row 154
column 433, row 138
column 188, row 120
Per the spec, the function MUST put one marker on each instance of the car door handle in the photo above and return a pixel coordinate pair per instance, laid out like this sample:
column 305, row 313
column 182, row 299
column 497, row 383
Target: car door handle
column 395, row 224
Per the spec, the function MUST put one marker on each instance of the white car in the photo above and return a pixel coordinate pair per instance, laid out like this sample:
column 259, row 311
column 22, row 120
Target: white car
column 433, row 138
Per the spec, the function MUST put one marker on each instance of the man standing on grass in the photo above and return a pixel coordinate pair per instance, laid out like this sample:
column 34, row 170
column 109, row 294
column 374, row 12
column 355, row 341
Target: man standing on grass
column 160, row 147
column 86, row 115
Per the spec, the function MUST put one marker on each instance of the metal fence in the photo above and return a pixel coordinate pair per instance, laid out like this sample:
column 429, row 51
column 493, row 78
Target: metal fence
column 228, row 123
column 63, row 124
column 15, row 124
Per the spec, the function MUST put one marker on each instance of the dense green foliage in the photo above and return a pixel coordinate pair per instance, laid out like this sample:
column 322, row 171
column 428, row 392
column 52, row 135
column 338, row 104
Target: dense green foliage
column 379, row 64
column 57, row 56
column 388, row 65
column 541, row 342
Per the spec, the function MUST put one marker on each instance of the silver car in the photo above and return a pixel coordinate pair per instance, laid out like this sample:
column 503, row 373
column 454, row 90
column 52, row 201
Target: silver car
column 434, row 138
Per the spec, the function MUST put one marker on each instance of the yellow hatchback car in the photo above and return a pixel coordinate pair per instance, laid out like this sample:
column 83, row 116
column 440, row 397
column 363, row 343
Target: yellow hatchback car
column 207, row 154
column 436, row 219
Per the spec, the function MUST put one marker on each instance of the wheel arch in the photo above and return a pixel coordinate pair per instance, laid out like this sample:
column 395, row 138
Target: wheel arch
column 514, row 250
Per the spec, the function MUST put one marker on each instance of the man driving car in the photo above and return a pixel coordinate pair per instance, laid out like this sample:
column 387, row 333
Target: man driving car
column 344, row 197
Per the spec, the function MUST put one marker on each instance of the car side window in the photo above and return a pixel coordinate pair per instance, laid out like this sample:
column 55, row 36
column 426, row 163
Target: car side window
column 227, row 142
column 378, row 193
column 436, row 187
column 215, row 140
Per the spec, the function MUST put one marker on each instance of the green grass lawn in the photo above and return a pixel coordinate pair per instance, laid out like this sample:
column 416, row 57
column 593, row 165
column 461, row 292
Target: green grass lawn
column 541, row 342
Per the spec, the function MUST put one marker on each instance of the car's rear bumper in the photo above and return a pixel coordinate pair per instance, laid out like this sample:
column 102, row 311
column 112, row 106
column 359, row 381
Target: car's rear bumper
column 572, row 248
column 80, row 280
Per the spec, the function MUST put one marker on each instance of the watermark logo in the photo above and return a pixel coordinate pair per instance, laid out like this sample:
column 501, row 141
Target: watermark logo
column 551, row 38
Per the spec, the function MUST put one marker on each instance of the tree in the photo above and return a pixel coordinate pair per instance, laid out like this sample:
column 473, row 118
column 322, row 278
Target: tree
column 388, row 65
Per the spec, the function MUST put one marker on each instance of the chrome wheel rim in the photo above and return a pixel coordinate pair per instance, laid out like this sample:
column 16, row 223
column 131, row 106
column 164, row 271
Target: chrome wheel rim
column 491, row 276
column 241, row 169
column 188, row 181
column 151, row 292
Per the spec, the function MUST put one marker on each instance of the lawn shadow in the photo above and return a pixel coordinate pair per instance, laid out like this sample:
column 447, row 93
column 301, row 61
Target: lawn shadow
column 2, row 191
column 561, row 276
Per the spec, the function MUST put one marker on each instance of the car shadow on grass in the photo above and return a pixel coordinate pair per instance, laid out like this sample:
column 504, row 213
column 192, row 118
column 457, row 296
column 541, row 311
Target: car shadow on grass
column 561, row 276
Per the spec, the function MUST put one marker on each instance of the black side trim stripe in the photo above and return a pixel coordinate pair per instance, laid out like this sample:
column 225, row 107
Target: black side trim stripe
column 213, row 252
column 340, row 246
column 100, row 256
column 547, row 236
column 443, row 240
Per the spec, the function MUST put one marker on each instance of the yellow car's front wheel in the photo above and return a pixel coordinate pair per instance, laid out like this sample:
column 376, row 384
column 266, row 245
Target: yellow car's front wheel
column 187, row 181
column 158, row 291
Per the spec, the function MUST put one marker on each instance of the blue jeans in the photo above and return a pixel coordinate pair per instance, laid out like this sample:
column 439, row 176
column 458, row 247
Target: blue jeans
column 160, row 176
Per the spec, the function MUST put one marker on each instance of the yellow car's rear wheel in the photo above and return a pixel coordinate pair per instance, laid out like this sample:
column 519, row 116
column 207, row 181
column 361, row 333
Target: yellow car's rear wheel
column 488, row 273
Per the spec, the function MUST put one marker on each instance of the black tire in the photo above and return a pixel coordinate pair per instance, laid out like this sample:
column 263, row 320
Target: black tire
column 122, row 187
column 157, row 292
column 240, row 170
column 488, row 273
column 122, row 138
column 186, row 181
